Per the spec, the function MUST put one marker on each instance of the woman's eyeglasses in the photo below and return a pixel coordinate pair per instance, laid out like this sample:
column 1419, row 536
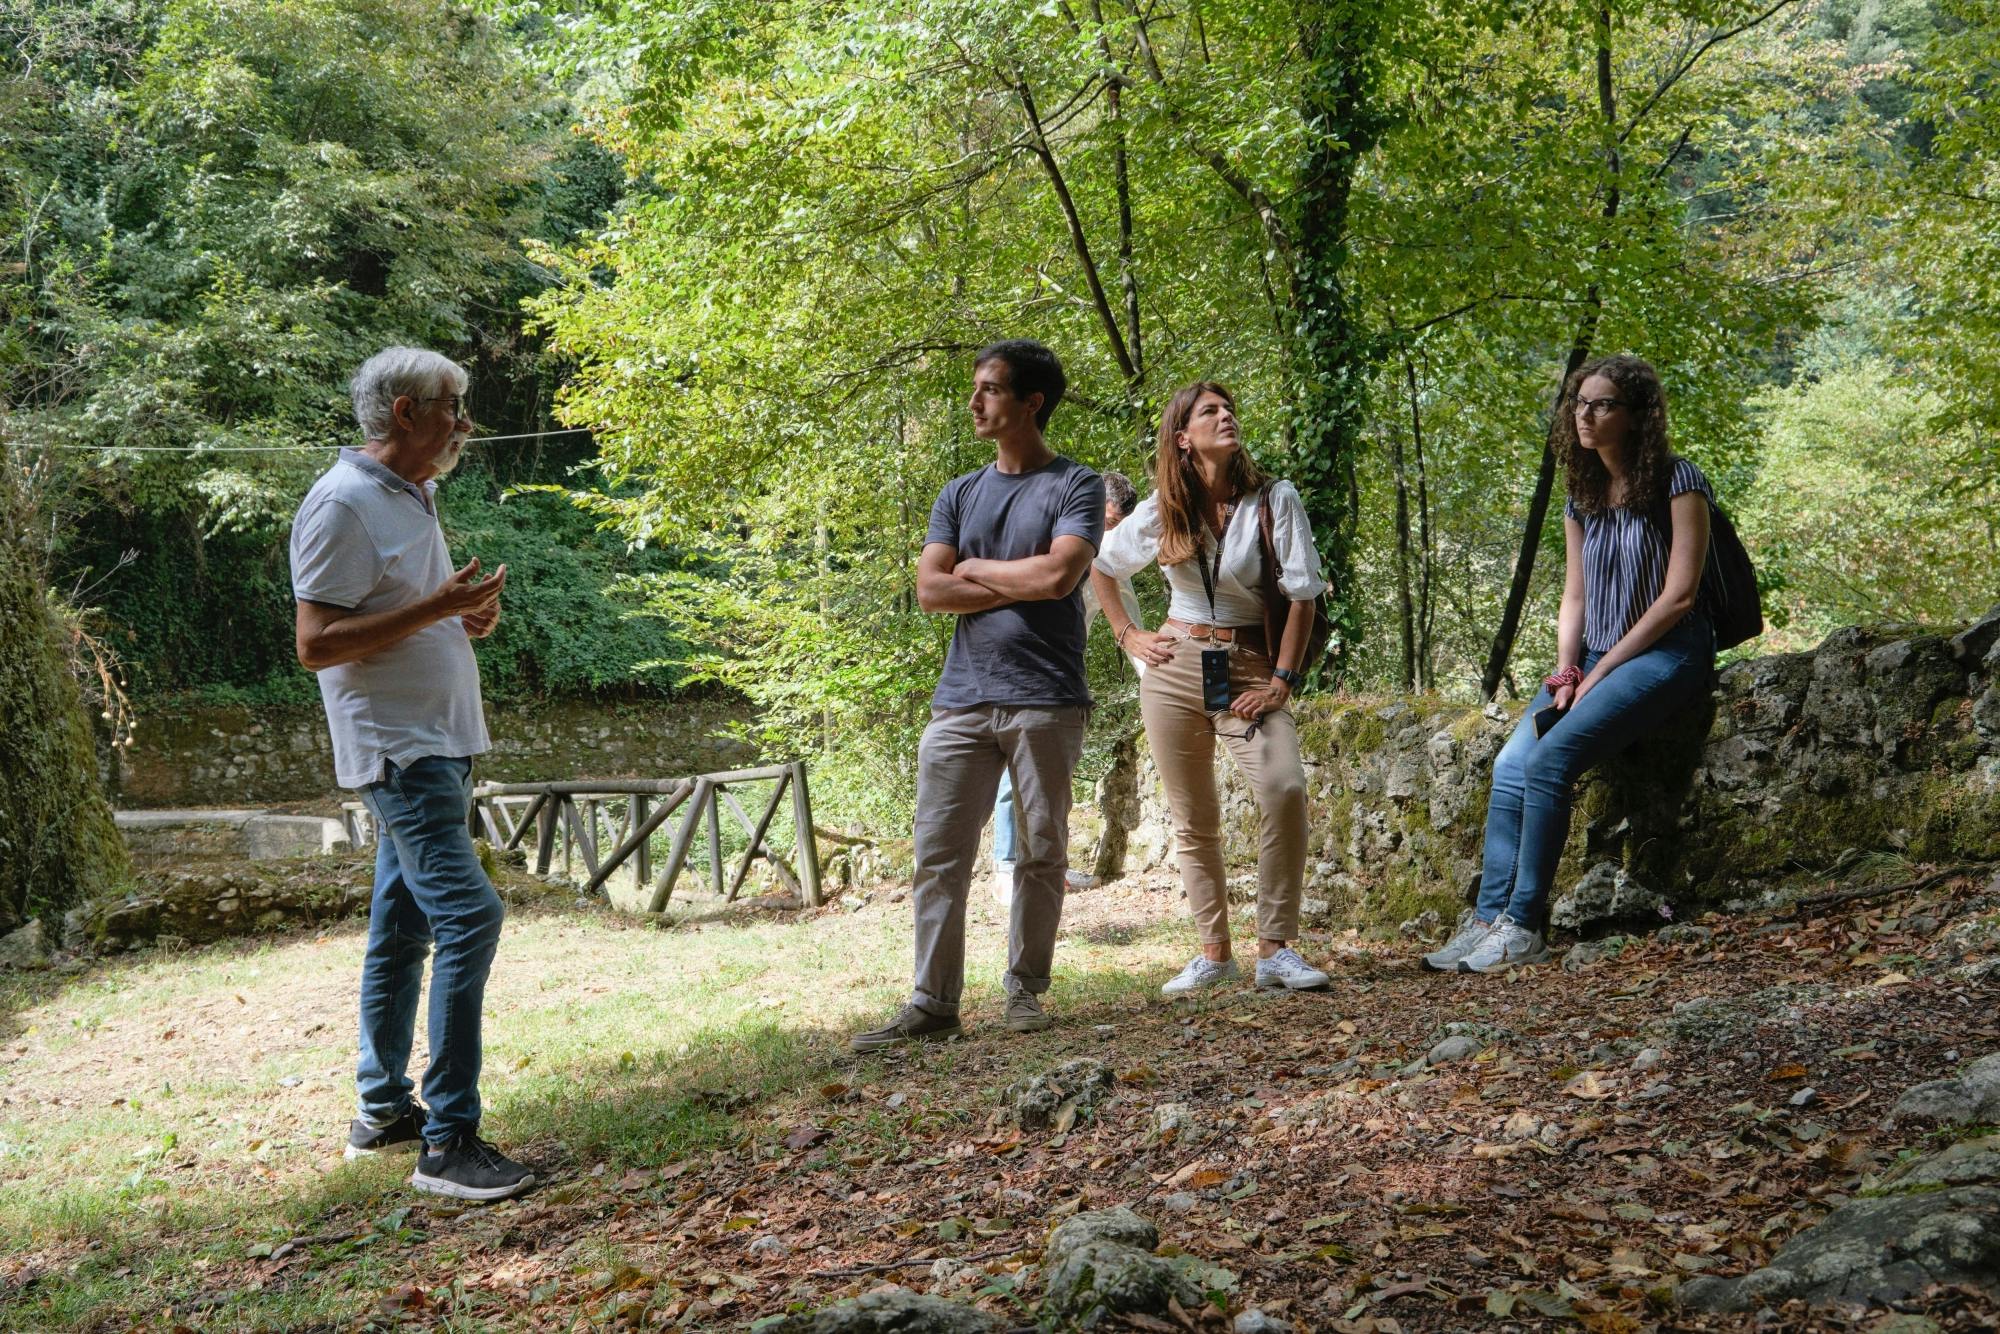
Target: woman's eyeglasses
column 1590, row 408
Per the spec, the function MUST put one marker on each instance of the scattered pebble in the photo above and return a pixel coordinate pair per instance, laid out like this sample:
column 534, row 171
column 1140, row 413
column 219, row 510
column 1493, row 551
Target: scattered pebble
column 1179, row 1202
column 769, row 1248
column 1805, row 1097
column 1254, row 1321
column 1647, row 1059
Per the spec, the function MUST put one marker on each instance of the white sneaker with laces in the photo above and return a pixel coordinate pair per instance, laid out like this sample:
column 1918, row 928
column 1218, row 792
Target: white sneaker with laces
column 1288, row 970
column 1463, row 941
column 1201, row 972
column 1507, row 945
column 1003, row 884
column 1076, row 879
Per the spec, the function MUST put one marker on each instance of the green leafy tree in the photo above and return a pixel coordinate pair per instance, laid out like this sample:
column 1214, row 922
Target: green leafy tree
column 220, row 207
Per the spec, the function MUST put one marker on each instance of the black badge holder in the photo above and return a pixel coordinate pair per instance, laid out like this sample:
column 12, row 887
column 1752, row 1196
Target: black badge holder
column 1214, row 661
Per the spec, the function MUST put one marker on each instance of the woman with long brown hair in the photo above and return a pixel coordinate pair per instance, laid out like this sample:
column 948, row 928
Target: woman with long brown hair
column 1214, row 673
column 1634, row 643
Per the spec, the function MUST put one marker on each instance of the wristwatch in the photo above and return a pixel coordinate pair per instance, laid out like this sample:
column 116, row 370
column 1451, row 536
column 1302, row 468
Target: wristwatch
column 1289, row 677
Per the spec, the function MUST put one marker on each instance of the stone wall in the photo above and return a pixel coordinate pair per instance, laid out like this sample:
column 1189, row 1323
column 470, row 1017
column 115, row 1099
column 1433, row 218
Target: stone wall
column 189, row 756
column 1879, row 741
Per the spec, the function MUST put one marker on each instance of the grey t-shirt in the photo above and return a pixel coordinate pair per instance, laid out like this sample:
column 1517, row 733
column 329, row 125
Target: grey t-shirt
column 1025, row 652
column 368, row 541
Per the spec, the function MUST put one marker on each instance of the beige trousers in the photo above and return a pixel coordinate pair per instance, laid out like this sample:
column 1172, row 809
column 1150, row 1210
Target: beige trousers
column 1182, row 736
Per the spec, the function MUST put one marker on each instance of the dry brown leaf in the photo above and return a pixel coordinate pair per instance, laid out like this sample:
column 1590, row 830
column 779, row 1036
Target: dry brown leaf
column 1588, row 1084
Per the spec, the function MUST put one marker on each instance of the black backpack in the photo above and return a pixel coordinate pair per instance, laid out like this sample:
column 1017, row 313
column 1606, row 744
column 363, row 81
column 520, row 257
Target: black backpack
column 1728, row 579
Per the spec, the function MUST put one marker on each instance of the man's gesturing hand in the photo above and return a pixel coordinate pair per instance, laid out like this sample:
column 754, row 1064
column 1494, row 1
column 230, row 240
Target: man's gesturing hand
column 466, row 594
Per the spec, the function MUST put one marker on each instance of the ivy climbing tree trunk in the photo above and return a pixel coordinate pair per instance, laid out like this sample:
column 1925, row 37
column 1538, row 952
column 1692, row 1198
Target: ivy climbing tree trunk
column 1331, row 351
column 58, row 845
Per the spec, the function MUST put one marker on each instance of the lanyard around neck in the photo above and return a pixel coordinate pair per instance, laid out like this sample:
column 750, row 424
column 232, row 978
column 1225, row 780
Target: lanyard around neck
column 1209, row 582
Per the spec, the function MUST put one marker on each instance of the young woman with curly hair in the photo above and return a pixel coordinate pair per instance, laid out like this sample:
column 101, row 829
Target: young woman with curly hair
column 1633, row 644
column 1203, row 524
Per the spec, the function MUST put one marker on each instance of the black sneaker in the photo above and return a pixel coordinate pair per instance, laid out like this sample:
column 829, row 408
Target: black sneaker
column 469, row 1168
column 405, row 1134
column 910, row 1025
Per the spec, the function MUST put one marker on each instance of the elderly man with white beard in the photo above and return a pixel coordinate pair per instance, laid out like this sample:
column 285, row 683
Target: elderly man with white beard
column 387, row 625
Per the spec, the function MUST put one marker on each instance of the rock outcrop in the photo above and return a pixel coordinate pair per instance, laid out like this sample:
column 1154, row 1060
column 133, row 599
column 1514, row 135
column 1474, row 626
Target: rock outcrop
column 1935, row 1223
column 892, row 1311
column 1881, row 739
column 1102, row 1263
column 1970, row 1098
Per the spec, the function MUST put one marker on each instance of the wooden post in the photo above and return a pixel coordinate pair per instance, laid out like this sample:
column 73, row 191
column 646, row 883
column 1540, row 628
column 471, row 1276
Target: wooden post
column 545, row 834
column 635, row 842
column 684, row 836
column 756, row 832
column 715, row 846
column 642, row 858
column 807, row 851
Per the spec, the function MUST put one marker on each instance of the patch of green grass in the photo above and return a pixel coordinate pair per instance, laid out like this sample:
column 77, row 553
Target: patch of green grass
column 158, row 1140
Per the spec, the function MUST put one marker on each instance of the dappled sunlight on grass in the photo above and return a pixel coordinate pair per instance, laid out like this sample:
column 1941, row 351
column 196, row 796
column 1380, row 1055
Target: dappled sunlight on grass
column 204, row 1094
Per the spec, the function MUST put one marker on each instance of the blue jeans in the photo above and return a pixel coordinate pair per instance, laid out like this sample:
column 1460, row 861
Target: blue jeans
column 1004, row 832
column 1527, row 817
column 429, row 891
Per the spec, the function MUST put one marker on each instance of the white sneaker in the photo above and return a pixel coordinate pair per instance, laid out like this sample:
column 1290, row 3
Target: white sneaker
column 1079, row 879
column 1003, row 884
column 1201, row 972
column 1286, row 969
column 1463, row 941
column 1507, row 945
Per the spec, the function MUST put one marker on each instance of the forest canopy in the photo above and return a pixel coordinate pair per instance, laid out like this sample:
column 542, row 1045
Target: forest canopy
column 751, row 248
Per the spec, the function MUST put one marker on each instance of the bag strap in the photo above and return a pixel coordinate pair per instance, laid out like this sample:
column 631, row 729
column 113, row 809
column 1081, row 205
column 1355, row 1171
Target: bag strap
column 1268, row 544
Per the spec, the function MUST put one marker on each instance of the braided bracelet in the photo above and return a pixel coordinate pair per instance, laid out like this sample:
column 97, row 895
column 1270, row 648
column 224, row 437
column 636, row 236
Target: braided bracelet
column 1568, row 676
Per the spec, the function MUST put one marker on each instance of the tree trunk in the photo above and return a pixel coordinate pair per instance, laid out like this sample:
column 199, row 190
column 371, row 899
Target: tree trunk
column 58, row 844
column 1331, row 352
column 1405, row 602
column 1579, row 352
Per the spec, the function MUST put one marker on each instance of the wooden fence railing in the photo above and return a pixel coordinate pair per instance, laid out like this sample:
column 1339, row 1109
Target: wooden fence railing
column 568, row 818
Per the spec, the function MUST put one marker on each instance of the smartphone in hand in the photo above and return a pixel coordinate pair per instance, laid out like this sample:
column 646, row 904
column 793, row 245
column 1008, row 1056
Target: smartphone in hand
column 1546, row 719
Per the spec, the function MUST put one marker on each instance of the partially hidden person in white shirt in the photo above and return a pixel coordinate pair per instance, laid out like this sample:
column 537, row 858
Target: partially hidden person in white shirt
column 1212, row 672
column 1120, row 498
column 387, row 625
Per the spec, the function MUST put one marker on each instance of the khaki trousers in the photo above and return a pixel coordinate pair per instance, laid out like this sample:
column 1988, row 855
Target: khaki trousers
column 1182, row 736
column 958, row 774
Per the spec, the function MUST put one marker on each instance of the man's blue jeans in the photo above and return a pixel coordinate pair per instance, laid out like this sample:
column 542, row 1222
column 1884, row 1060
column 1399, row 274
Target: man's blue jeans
column 429, row 890
column 1527, row 817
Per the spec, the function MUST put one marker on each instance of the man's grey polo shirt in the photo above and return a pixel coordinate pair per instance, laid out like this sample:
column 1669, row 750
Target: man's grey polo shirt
column 368, row 541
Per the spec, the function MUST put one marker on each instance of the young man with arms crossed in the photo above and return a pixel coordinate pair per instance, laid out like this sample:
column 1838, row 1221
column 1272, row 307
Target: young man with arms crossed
column 1006, row 552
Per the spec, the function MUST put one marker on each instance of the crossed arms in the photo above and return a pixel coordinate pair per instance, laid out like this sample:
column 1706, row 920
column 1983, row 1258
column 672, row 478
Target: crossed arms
column 947, row 584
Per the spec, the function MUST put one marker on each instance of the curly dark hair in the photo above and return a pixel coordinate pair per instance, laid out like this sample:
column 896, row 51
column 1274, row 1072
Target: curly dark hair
column 1649, row 455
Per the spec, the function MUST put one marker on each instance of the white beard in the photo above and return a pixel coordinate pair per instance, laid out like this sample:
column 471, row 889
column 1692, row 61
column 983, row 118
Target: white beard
column 449, row 459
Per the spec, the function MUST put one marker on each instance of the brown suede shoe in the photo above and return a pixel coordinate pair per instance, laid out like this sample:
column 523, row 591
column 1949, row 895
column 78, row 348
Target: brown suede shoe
column 1024, row 1012
column 910, row 1025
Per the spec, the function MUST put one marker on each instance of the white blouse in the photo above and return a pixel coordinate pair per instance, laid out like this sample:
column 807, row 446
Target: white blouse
column 1135, row 544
